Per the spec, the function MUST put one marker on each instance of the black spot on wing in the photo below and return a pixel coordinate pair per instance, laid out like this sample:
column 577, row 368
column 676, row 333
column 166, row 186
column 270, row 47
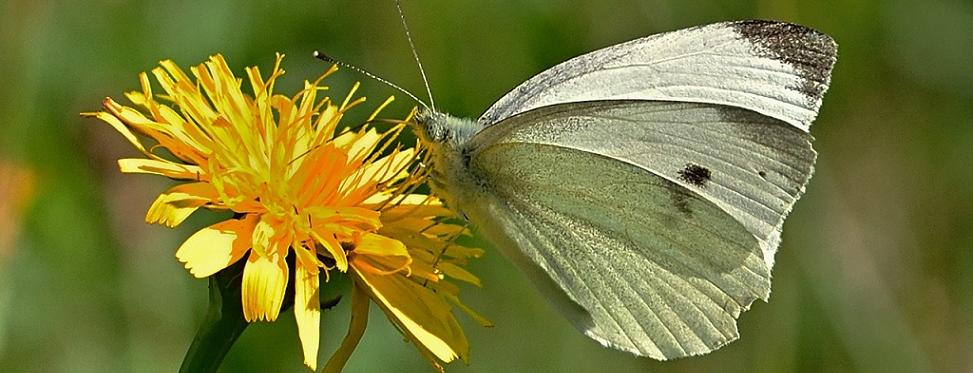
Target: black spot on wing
column 680, row 199
column 810, row 52
column 695, row 175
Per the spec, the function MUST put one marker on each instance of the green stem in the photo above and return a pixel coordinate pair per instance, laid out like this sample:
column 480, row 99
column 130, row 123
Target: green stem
column 223, row 323
column 359, row 320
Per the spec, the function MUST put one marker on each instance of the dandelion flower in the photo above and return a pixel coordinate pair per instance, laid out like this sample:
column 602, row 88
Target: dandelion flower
column 297, row 184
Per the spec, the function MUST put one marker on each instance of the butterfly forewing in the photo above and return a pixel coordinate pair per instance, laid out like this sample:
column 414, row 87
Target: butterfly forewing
column 776, row 69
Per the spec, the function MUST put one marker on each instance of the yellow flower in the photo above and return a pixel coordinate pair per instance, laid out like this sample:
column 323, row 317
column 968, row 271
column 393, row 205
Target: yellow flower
column 338, row 199
column 407, row 276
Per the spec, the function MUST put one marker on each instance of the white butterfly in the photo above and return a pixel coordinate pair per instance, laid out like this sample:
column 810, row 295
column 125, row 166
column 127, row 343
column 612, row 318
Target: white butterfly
column 643, row 186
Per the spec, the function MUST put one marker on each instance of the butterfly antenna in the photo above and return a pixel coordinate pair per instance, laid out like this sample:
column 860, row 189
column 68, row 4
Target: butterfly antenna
column 329, row 59
column 408, row 36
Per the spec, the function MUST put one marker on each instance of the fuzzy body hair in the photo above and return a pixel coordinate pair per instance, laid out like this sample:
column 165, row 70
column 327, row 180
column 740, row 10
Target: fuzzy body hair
column 447, row 139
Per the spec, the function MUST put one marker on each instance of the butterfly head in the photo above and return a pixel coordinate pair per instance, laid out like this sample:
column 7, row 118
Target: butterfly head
column 440, row 129
column 430, row 126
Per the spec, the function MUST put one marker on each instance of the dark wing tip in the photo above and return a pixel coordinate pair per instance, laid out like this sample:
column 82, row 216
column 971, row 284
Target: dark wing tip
column 810, row 52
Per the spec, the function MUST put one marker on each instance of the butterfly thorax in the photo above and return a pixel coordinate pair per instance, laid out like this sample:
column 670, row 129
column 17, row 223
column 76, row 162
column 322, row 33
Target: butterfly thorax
column 446, row 138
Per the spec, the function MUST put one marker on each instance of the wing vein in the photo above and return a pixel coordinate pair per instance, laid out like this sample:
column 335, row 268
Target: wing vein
column 576, row 273
column 600, row 276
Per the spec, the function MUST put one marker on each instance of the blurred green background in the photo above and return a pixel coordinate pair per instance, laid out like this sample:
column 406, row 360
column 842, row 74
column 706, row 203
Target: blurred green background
column 875, row 272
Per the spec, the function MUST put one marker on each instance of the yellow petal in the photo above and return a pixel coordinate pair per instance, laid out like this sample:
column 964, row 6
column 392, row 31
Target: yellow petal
column 359, row 144
column 381, row 255
column 366, row 219
column 120, row 127
column 216, row 247
column 419, row 199
column 423, row 315
column 379, row 245
column 177, row 203
column 365, row 144
column 327, row 122
column 307, row 312
column 175, row 72
column 264, row 281
column 137, row 98
column 268, row 237
column 332, row 246
column 457, row 272
column 379, row 198
column 459, row 252
column 135, row 119
column 403, row 203
column 156, row 167
column 386, row 169
column 476, row 316
column 307, row 257
column 170, row 136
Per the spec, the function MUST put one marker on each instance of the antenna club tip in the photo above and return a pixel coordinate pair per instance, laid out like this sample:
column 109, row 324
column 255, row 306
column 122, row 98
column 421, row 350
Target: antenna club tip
column 323, row 57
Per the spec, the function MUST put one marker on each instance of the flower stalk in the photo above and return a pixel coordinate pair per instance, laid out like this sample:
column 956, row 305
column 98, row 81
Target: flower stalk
column 221, row 326
column 356, row 329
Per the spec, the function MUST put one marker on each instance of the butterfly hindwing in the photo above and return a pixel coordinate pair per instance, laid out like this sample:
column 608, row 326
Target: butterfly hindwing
column 655, row 269
column 658, row 220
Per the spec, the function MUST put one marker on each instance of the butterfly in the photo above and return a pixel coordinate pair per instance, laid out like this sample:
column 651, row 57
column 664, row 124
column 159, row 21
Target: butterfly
column 643, row 187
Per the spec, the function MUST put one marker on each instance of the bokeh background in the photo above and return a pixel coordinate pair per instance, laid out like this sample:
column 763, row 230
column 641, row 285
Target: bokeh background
column 875, row 272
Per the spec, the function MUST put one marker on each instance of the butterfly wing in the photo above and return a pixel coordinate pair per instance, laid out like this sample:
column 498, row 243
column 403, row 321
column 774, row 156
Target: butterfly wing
column 651, row 224
column 777, row 69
